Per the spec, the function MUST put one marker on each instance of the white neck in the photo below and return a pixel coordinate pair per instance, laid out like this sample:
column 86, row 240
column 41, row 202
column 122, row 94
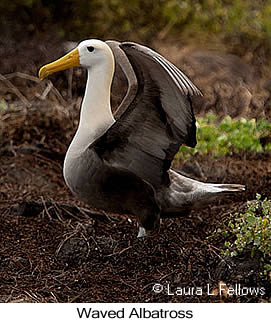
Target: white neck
column 96, row 116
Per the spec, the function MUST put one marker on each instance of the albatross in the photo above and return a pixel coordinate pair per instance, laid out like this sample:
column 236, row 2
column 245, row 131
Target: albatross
column 121, row 162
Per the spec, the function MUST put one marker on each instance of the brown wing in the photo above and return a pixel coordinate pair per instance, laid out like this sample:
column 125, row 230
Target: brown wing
column 157, row 122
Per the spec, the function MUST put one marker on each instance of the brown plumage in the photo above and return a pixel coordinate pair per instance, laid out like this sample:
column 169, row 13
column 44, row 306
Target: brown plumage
column 121, row 163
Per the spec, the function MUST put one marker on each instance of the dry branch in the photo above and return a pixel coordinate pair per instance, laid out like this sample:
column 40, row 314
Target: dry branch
column 22, row 76
column 15, row 91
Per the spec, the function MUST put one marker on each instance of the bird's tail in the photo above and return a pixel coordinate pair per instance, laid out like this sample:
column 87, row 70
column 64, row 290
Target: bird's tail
column 226, row 188
column 185, row 194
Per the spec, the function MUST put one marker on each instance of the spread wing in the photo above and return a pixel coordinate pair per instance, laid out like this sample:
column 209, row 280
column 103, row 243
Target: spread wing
column 157, row 121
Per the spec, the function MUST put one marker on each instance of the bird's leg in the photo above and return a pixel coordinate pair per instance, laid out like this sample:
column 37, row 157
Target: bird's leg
column 141, row 233
column 149, row 221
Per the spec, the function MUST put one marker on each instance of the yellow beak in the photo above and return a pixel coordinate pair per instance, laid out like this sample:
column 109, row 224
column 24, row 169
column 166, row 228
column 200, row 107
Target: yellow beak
column 69, row 60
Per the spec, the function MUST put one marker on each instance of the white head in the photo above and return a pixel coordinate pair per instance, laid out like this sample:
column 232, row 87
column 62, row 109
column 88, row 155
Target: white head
column 94, row 52
column 89, row 53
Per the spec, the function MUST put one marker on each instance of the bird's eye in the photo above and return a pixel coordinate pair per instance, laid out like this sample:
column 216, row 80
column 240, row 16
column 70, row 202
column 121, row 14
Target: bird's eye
column 90, row 48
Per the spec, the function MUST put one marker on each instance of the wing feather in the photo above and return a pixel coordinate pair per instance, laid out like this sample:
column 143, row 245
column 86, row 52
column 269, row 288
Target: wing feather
column 156, row 123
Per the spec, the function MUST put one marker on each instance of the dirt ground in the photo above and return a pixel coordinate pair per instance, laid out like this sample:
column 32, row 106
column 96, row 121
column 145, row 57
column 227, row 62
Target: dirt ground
column 50, row 251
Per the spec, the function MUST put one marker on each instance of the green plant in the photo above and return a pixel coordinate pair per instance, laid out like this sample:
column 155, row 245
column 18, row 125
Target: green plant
column 3, row 106
column 227, row 137
column 252, row 231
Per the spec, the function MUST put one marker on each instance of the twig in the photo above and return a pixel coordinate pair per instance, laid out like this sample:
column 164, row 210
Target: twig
column 54, row 296
column 46, row 91
column 34, row 297
column 69, row 213
column 86, row 240
column 120, row 252
column 22, row 76
column 131, row 286
column 63, row 242
column 12, row 148
column 96, row 244
column 200, row 171
column 58, row 213
column 59, row 96
column 70, row 76
column 45, row 208
column 61, row 283
column 15, row 91
column 165, row 276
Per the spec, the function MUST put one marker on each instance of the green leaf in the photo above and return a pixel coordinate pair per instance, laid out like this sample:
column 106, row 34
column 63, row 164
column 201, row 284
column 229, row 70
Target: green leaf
column 228, row 137
column 251, row 220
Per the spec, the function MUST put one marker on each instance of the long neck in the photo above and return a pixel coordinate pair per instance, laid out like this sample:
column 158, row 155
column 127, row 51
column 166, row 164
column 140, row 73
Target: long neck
column 96, row 116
